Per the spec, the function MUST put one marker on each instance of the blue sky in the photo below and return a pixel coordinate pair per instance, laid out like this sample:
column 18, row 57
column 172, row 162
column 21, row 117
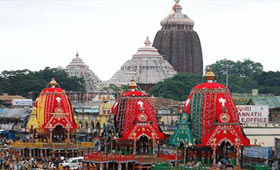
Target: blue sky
column 39, row 33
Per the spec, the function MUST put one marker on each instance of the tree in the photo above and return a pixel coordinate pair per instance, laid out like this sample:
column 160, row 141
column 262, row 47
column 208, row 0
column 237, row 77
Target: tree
column 246, row 68
column 239, row 84
column 241, row 74
column 269, row 82
column 4, row 85
column 177, row 87
column 66, row 82
column 28, row 83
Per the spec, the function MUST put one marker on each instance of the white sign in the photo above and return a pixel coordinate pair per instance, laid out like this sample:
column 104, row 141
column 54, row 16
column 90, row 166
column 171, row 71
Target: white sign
column 253, row 113
column 22, row 102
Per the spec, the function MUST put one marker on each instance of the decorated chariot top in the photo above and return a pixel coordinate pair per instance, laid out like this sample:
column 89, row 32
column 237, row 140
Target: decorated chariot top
column 135, row 116
column 52, row 108
column 214, row 115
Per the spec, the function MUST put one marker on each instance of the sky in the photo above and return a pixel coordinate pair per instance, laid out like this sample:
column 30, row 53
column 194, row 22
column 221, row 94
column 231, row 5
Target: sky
column 35, row 34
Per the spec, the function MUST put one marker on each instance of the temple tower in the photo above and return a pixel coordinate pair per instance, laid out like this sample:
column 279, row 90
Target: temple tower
column 79, row 69
column 147, row 67
column 178, row 43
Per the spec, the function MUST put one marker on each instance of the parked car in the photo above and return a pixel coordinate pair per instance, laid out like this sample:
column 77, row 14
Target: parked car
column 73, row 163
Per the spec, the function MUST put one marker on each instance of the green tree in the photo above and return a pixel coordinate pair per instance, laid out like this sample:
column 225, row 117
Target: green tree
column 4, row 85
column 241, row 74
column 239, row 84
column 269, row 82
column 177, row 87
column 112, row 88
column 246, row 68
column 26, row 83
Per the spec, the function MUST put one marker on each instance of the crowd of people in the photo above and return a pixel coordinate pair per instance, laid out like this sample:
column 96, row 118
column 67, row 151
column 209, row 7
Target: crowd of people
column 13, row 161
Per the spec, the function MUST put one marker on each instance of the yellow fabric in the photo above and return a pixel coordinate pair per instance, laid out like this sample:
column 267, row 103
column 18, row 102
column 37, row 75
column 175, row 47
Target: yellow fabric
column 41, row 110
column 33, row 120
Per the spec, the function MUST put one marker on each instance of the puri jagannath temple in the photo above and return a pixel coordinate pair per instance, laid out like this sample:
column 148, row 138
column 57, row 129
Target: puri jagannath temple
column 208, row 130
column 178, row 43
column 51, row 127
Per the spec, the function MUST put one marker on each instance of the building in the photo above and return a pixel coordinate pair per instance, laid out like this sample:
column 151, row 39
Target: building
column 263, row 133
column 178, row 43
column 92, row 116
column 147, row 67
column 7, row 100
column 79, row 69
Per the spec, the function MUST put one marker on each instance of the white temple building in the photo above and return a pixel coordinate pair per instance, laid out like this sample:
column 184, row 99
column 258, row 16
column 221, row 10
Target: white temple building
column 147, row 67
column 79, row 69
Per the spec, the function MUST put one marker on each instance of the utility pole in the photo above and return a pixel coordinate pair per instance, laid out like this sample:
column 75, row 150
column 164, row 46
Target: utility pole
column 227, row 77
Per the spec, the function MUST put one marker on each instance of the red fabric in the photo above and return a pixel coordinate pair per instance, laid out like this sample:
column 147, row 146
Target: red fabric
column 133, row 94
column 207, row 85
column 216, row 103
column 139, row 117
column 57, row 109
column 99, row 157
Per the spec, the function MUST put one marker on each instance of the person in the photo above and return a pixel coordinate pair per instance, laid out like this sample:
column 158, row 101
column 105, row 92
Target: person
column 61, row 167
column 228, row 163
column 219, row 165
column 198, row 164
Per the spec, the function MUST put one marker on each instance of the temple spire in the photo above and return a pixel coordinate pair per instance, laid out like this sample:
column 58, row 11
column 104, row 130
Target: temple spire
column 210, row 76
column 147, row 41
column 53, row 83
column 132, row 85
column 77, row 54
column 177, row 7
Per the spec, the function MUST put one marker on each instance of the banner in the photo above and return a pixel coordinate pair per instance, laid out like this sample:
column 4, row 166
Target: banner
column 253, row 113
column 257, row 152
column 22, row 102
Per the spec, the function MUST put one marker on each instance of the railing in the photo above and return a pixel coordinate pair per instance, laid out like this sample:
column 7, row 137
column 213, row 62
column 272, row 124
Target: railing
column 51, row 145
column 100, row 157
column 87, row 144
column 27, row 145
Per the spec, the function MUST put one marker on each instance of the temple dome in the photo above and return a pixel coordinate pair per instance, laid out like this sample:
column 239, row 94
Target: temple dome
column 77, row 60
column 177, row 17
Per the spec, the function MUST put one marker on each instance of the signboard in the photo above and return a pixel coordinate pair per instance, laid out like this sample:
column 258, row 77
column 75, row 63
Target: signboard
column 163, row 112
column 257, row 152
column 253, row 113
column 22, row 102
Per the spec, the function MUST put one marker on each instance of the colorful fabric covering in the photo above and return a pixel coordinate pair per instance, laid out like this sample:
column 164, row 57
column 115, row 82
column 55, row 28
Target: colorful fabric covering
column 135, row 116
column 52, row 108
column 214, row 115
column 183, row 133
